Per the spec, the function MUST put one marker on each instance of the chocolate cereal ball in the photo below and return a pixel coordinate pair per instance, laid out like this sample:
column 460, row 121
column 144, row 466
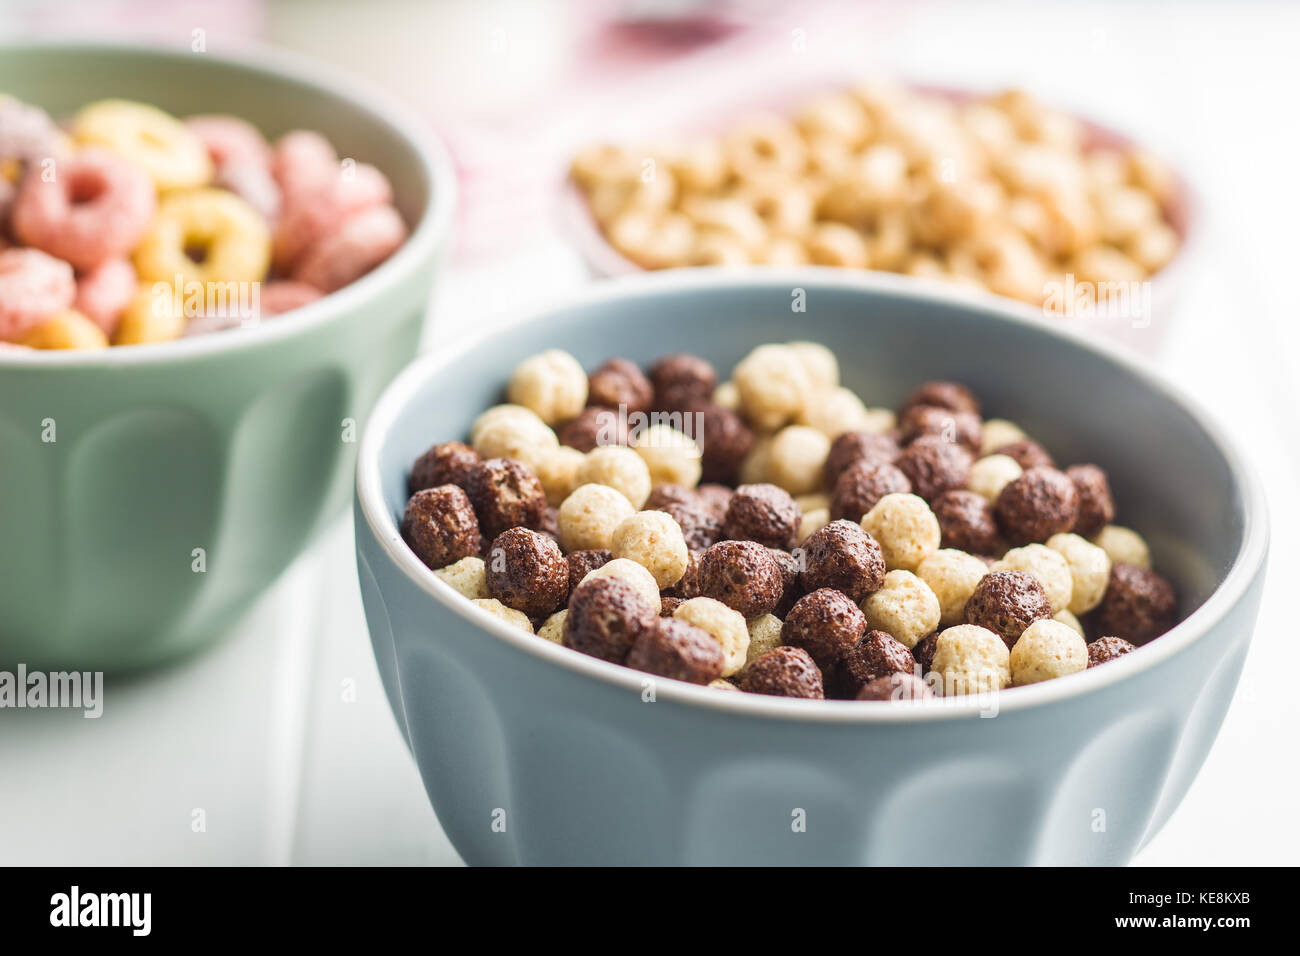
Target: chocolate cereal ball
column 447, row 463
column 861, row 485
column 676, row 649
column 855, row 446
column 896, row 687
column 876, row 655
column 1138, row 605
column 715, row 497
column 934, row 466
column 924, row 650
column 582, row 563
column 742, row 575
column 960, row 427
column 620, row 383
column 1105, row 649
column 1027, row 453
column 790, row 588
column 1007, row 602
column 784, row 672
column 966, row 522
column 700, row 526
column 941, row 394
column 526, row 571
column 505, row 495
column 825, row 623
column 606, row 617
column 724, row 440
column 594, row 427
column 1040, row 503
column 681, row 380
column 668, row 494
column 842, row 556
column 440, row 526
column 763, row 513
column 1096, row 505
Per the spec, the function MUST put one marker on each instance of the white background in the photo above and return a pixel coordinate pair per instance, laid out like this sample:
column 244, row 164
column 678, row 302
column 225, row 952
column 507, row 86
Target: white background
column 262, row 733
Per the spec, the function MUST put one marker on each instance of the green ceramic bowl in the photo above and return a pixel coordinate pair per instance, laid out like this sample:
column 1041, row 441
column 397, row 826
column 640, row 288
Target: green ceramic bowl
column 149, row 493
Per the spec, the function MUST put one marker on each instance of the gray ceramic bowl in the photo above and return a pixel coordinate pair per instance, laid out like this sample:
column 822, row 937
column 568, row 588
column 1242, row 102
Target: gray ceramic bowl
column 184, row 476
column 532, row 753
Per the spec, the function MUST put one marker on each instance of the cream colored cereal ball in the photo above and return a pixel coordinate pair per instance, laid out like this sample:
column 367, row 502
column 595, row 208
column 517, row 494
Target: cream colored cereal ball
column 526, row 440
column 1048, row 566
column 725, row 624
column 990, row 474
column 553, row 627
column 468, row 576
column 551, row 383
column 508, row 614
column 904, row 606
column 753, row 467
column 970, row 660
column 773, row 384
column 672, row 457
column 835, row 412
column 653, row 540
column 952, row 575
column 635, row 574
column 721, row 683
column 905, row 528
column 728, row 396
column 558, row 473
column 764, row 636
column 588, row 517
column 812, row 521
column 813, row 500
column 819, row 362
column 1047, row 649
column 998, row 433
column 1069, row 620
column 500, row 413
column 617, row 467
column 1089, row 570
column 880, row 420
column 798, row 458
column 1123, row 546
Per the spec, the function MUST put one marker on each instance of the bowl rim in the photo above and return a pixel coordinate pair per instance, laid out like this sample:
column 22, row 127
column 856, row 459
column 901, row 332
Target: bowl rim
column 1243, row 571
column 276, row 65
column 576, row 222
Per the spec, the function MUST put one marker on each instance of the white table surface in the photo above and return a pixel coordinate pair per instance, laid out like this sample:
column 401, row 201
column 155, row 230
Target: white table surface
column 281, row 734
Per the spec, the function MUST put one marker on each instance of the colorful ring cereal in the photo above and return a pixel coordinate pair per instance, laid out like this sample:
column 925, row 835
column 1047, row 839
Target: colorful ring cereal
column 229, row 139
column 233, row 239
column 66, row 329
column 33, row 285
column 311, row 215
column 96, row 207
column 172, row 155
column 362, row 242
column 152, row 316
column 104, row 292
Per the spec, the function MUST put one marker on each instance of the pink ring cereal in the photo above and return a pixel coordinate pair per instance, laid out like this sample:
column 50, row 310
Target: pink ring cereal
column 311, row 216
column 285, row 295
column 105, row 291
column 361, row 243
column 229, row 139
column 253, row 183
column 95, row 207
column 26, row 132
column 33, row 285
column 302, row 161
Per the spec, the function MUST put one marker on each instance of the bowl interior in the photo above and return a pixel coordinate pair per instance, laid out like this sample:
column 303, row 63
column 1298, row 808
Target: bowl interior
column 275, row 98
column 1172, row 480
